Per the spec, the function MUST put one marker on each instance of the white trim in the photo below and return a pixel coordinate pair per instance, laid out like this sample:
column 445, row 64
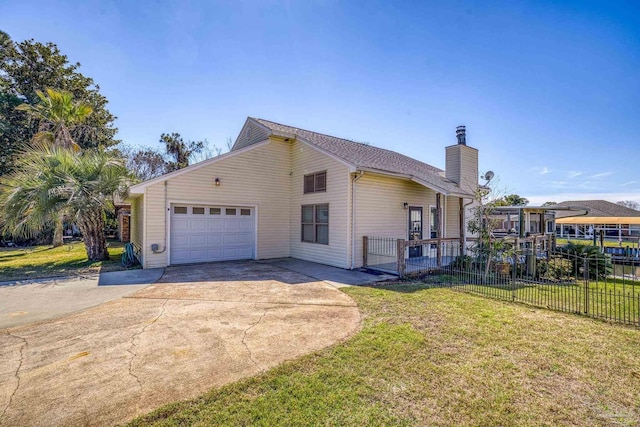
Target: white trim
column 253, row 206
column 406, row 176
column 136, row 189
column 354, row 179
column 351, row 166
column 144, row 230
column 167, row 228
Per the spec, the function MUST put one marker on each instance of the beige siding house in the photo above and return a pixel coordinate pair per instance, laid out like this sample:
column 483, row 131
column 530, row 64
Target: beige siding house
column 288, row 192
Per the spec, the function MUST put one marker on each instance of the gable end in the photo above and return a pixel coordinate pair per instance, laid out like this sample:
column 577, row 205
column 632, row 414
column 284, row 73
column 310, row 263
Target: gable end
column 252, row 132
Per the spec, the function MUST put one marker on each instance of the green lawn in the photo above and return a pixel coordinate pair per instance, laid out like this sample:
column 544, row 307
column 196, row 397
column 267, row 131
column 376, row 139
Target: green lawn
column 45, row 261
column 442, row 358
column 617, row 301
column 607, row 243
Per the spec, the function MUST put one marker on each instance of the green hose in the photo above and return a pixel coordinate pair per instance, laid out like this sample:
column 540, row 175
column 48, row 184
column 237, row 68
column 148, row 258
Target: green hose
column 129, row 256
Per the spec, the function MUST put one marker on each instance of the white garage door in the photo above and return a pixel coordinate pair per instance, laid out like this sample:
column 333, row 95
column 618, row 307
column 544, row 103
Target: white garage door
column 201, row 233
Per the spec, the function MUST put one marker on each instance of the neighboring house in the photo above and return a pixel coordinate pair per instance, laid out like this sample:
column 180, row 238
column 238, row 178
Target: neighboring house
column 287, row 192
column 595, row 215
column 123, row 216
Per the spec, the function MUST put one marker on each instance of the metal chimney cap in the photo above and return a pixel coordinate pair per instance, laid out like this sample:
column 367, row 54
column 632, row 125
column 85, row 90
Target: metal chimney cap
column 461, row 134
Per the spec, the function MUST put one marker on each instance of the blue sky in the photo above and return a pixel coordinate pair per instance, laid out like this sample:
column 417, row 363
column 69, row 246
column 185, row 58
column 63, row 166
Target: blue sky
column 549, row 91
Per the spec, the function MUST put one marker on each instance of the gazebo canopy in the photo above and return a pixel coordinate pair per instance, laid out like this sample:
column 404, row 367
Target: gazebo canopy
column 595, row 212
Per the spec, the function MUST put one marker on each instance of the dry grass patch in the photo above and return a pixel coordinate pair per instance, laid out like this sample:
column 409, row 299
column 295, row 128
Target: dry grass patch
column 439, row 357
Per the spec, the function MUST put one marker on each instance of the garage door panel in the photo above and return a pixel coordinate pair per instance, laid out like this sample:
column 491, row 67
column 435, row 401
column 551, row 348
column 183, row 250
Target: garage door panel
column 198, row 254
column 214, row 239
column 244, row 252
column 214, row 254
column 215, row 225
column 230, row 225
column 215, row 235
column 245, row 226
column 198, row 225
column 197, row 240
column 245, row 238
column 180, row 257
column 180, row 225
column 230, row 239
column 180, row 241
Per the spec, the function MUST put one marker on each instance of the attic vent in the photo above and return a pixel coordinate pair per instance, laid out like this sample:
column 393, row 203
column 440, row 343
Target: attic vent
column 248, row 134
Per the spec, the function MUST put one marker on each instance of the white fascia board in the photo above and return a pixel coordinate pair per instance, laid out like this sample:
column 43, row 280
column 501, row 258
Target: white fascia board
column 131, row 197
column 405, row 176
column 417, row 181
column 454, row 193
column 352, row 167
column 431, row 186
column 139, row 188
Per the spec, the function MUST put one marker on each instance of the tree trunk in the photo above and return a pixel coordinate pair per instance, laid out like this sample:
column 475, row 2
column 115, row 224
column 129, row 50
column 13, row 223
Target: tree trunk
column 58, row 230
column 91, row 224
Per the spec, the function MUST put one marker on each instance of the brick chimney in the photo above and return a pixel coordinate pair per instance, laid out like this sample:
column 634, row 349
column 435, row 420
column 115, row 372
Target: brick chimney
column 461, row 164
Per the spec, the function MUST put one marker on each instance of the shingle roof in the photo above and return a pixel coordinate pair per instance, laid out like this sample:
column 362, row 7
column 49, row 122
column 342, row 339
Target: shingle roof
column 368, row 157
column 597, row 208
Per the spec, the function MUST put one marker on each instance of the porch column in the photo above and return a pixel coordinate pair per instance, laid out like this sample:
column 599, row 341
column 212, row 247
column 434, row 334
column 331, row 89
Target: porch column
column 439, row 228
column 461, row 224
column 438, row 216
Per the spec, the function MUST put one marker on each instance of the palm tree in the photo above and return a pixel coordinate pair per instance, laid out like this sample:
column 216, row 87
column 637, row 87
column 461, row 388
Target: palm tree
column 52, row 180
column 58, row 115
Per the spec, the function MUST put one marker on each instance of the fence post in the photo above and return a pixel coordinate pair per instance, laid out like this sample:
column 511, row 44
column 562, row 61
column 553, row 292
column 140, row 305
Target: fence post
column 439, row 252
column 365, row 250
column 585, row 274
column 400, row 254
column 514, row 272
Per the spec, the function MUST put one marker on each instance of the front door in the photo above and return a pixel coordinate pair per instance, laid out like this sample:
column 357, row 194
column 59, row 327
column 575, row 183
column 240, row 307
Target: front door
column 415, row 230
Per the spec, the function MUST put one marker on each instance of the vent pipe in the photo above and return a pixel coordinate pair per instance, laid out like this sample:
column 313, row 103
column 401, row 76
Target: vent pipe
column 461, row 134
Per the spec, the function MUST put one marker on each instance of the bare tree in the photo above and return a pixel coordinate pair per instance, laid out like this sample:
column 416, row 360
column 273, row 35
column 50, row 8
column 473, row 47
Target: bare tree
column 629, row 204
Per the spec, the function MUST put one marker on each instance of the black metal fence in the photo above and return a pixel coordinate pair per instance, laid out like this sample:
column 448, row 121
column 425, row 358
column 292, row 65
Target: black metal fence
column 583, row 282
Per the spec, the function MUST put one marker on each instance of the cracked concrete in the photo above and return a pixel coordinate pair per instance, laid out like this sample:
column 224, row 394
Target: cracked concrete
column 133, row 339
column 16, row 373
column 203, row 326
column 244, row 336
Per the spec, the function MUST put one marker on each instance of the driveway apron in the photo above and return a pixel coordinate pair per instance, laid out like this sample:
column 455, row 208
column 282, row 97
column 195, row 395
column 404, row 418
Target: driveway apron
column 199, row 327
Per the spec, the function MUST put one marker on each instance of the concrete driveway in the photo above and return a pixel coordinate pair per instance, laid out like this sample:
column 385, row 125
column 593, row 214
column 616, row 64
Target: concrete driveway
column 199, row 327
column 28, row 301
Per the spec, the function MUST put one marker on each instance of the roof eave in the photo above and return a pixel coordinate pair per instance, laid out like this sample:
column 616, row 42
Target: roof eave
column 414, row 179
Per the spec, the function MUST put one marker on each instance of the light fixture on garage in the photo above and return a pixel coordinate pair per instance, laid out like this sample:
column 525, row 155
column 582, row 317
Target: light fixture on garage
column 405, row 205
column 217, row 182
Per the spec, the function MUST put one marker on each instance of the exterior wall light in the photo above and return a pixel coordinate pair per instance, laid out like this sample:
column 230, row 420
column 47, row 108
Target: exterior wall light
column 405, row 205
column 217, row 182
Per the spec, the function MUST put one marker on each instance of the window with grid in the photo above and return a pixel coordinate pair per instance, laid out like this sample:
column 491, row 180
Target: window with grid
column 315, row 224
column 315, row 182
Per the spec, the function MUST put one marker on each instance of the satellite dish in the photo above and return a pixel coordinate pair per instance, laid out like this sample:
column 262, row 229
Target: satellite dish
column 488, row 176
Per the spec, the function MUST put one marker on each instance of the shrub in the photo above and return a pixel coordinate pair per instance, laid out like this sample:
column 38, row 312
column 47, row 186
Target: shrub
column 557, row 268
column 462, row 262
column 598, row 264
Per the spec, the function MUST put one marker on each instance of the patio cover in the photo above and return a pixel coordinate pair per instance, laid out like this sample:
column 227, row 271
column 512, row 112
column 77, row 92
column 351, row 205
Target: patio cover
column 598, row 220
